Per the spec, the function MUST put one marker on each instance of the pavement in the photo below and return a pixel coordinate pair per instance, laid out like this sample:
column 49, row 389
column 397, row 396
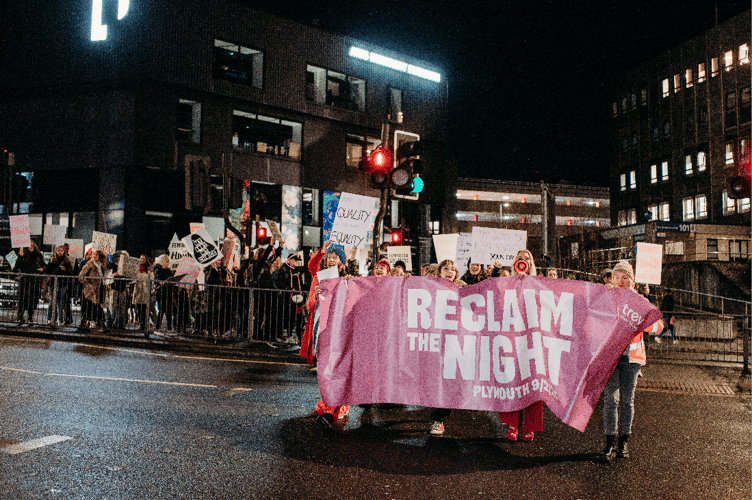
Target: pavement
column 672, row 376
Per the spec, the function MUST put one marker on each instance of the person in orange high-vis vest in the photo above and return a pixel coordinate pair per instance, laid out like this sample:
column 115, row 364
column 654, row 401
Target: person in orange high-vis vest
column 618, row 395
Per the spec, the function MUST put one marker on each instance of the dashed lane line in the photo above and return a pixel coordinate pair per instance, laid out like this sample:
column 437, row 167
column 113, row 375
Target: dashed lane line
column 33, row 444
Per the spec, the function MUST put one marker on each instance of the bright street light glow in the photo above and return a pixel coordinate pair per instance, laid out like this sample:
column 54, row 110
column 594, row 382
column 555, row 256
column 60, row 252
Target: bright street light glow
column 394, row 64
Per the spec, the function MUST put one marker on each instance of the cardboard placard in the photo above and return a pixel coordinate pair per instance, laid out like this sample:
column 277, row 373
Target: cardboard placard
column 491, row 244
column 649, row 263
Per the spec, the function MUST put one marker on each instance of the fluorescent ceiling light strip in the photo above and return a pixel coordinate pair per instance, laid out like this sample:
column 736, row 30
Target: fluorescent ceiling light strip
column 394, row 64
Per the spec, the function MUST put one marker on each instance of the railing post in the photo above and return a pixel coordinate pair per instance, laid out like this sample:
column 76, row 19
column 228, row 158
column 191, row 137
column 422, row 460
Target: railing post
column 746, row 329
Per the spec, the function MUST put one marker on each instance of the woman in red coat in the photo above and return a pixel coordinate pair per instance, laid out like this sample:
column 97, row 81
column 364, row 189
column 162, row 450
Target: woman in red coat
column 532, row 420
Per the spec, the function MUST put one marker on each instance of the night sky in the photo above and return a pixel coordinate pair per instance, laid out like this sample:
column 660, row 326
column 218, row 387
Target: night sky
column 527, row 79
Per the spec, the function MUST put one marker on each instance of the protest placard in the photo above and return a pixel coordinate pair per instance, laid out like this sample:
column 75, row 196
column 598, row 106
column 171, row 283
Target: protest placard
column 75, row 247
column 229, row 252
column 328, row 273
column 445, row 246
column 215, row 226
column 397, row 253
column 54, row 234
column 128, row 266
column 463, row 252
column 492, row 244
column 649, row 263
column 12, row 258
column 353, row 219
column 19, row 231
column 176, row 251
column 189, row 269
column 202, row 248
column 103, row 241
column 274, row 227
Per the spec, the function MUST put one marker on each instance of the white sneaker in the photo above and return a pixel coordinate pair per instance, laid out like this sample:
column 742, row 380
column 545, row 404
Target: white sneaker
column 676, row 341
column 657, row 340
column 437, row 428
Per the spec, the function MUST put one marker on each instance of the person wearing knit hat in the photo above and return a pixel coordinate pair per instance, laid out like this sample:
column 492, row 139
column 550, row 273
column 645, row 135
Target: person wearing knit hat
column 382, row 268
column 624, row 267
column 618, row 395
column 337, row 250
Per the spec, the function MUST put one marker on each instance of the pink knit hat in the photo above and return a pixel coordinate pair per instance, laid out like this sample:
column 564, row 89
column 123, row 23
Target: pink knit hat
column 625, row 267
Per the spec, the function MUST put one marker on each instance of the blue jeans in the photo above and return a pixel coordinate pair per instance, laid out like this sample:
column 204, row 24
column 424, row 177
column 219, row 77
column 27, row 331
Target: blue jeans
column 58, row 296
column 619, row 395
column 668, row 327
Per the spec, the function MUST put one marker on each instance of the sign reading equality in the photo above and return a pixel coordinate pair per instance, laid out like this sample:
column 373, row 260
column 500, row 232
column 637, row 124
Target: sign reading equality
column 499, row 345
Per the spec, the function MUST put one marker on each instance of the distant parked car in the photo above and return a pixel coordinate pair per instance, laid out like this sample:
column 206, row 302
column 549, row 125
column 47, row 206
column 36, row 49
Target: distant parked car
column 8, row 293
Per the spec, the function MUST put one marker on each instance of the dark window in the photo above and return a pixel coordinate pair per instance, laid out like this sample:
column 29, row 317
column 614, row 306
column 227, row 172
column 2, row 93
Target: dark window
column 666, row 129
column 744, row 105
column 702, row 115
column 730, row 109
column 238, row 64
column 712, row 252
column 188, row 121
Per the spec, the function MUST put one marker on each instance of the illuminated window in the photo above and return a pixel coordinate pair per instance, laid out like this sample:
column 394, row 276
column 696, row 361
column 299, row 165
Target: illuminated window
column 632, row 216
column 238, row 64
column 701, row 207
column 729, row 153
column 729, row 205
column 700, row 72
column 730, row 109
column 744, row 54
column 358, row 147
column 623, row 182
column 663, row 211
column 688, row 78
column 266, row 134
column 653, row 174
column 701, row 161
column 335, row 89
column 622, row 218
column 677, row 83
column 714, row 67
column 742, row 206
column 688, row 209
column 653, row 210
column 688, row 165
column 632, row 180
column 664, row 171
column 665, row 88
column 728, row 60
column 188, row 121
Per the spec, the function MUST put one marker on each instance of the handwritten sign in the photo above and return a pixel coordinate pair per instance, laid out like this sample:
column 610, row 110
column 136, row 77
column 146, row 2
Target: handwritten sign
column 492, row 244
column 274, row 229
column 128, row 266
column 464, row 251
column 54, row 234
column 649, row 263
column 202, row 248
column 19, row 231
column 328, row 273
column 103, row 241
column 190, row 270
column 403, row 253
column 353, row 219
column 176, row 251
column 75, row 248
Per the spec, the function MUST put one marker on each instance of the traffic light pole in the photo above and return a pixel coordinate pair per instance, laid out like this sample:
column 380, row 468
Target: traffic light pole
column 383, row 202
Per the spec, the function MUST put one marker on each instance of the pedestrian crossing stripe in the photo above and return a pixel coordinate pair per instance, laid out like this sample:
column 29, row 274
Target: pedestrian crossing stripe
column 15, row 449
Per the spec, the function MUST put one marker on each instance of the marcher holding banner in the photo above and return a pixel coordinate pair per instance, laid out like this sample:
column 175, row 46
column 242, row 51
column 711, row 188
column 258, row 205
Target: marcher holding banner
column 532, row 419
column 447, row 271
column 620, row 388
column 327, row 256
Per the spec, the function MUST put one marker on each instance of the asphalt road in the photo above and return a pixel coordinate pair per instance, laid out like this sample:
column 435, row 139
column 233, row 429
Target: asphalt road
column 121, row 423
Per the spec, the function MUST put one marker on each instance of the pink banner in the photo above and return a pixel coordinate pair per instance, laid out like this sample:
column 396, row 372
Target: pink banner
column 499, row 345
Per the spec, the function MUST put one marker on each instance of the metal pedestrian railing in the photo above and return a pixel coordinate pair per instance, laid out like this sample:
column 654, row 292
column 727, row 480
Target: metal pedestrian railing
column 122, row 304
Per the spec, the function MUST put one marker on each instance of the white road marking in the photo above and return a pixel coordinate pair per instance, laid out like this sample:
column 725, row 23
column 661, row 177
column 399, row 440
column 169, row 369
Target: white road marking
column 109, row 378
column 237, row 390
column 15, row 449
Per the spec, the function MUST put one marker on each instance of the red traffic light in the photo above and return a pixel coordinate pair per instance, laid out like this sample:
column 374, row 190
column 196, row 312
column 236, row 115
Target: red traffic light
column 380, row 161
column 397, row 237
column 261, row 235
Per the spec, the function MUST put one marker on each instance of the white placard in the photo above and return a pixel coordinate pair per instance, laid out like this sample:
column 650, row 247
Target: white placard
column 190, row 270
column 215, row 226
column 75, row 248
column 491, row 244
column 463, row 253
column 445, row 246
column 403, row 253
column 54, row 234
column 176, row 251
column 328, row 273
column 353, row 219
column 103, row 241
column 20, row 236
column 202, row 248
column 649, row 263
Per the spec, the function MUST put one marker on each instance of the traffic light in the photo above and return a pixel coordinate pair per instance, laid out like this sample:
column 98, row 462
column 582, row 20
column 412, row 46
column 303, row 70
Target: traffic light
column 738, row 181
column 406, row 175
column 398, row 237
column 379, row 164
column 261, row 238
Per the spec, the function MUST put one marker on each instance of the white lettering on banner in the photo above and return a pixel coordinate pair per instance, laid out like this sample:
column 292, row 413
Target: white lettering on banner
column 535, row 385
column 532, row 352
